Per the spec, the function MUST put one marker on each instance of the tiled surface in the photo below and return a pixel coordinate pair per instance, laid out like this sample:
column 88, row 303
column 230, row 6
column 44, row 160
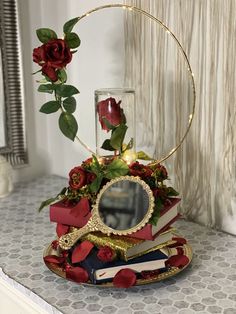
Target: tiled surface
column 207, row 286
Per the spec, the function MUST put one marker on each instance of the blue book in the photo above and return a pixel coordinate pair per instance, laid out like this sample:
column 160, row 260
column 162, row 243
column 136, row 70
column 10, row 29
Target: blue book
column 104, row 271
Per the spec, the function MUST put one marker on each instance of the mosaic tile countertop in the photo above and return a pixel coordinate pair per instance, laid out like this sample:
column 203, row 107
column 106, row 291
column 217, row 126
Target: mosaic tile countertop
column 207, row 286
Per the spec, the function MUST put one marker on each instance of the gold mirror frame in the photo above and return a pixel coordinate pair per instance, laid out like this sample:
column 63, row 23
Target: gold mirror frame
column 191, row 75
column 95, row 223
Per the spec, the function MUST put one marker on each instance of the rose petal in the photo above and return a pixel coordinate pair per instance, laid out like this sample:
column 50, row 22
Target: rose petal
column 77, row 274
column 125, row 278
column 62, row 229
column 50, row 72
column 53, row 259
column 81, row 251
column 177, row 261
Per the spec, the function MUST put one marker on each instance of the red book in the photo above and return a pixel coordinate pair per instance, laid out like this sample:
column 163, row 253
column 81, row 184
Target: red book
column 76, row 216
column 168, row 215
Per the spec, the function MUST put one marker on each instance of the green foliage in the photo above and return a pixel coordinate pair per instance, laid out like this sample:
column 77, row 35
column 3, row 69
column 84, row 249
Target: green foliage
column 68, row 125
column 72, row 40
column 143, row 156
column 50, row 107
column 46, row 88
column 68, row 26
column 171, row 192
column 45, row 34
column 66, row 90
column 107, row 145
column 118, row 135
column 62, row 76
column 95, row 185
column 157, row 212
column 53, row 199
column 108, row 124
column 116, row 169
column 69, row 104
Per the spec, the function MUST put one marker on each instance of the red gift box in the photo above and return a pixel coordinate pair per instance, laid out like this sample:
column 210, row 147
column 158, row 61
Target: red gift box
column 77, row 215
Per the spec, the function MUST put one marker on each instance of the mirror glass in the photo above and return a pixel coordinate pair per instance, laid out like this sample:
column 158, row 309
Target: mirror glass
column 123, row 205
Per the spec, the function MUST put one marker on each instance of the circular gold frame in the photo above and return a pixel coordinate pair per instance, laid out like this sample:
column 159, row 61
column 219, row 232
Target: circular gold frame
column 191, row 75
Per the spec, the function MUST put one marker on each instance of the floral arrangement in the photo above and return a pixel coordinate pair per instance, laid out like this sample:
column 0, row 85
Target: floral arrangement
column 86, row 180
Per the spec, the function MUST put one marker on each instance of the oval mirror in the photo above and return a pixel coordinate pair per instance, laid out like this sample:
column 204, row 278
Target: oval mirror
column 123, row 206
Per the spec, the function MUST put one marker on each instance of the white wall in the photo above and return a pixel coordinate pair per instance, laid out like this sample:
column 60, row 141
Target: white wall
column 98, row 63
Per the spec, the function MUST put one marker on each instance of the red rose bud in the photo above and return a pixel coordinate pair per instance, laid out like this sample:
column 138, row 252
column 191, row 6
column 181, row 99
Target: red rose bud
column 106, row 254
column 77, row 274
column 125, row 278
column 81, row 251
column 55, row 54
column 161, row 172
column 61, row 230
column 90, row 177
column 110, row 110
column 137, row 169
column 177, row 261
column 77, row 178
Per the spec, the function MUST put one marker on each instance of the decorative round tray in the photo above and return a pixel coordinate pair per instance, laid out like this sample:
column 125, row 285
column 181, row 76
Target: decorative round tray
column 171, row 272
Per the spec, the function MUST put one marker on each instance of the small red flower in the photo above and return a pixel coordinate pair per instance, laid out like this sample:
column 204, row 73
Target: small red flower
column 125, row 278
column 90, row 177
column 111, row 111
column 77, row 178
column 137, row 169
column 53, row 55
column 161, row 172
column 106, row 254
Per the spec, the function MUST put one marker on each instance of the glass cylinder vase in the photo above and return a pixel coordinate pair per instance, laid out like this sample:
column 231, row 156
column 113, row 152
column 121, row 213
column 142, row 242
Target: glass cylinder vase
column 115, row 123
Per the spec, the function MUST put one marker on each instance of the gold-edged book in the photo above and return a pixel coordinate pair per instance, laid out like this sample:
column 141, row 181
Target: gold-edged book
column 128, row 248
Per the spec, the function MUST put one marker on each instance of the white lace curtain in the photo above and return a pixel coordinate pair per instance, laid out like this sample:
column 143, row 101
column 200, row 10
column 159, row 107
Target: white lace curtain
column 204, row 170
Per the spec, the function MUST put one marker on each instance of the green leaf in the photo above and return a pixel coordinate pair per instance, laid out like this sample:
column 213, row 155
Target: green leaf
column 96, row 167
column 157, row 212
column 46, row 88
column 108, row 124
column 116, row 169
column 172, row 192
column 95, row 185
column 68, row 125
column 46, row 203
column 107, row 145
column 129, row 145
column 45, row 34
column 143, row 156
column 69, row 104
column 50, row 107
column 118, row 136
column 66, row 90
column 62, row 76
column 72, row 40
column 68, row 26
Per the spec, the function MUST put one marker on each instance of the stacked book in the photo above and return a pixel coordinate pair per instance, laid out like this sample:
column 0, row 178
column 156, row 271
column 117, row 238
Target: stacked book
column 143, row 251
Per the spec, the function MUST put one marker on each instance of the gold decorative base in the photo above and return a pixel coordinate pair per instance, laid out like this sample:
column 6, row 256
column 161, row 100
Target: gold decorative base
column 171, row 272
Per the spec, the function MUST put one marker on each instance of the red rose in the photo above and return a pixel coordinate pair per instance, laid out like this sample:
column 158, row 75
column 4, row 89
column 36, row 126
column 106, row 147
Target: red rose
column 106, row 254
column 161, row 172
column 90, row 177
column 77, row 178
column 111, row 111
column 125, row 278
column 53, row 55
column 137, row 169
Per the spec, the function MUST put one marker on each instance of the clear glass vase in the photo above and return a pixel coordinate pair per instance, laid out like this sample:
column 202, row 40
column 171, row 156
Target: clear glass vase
column 115, row 123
